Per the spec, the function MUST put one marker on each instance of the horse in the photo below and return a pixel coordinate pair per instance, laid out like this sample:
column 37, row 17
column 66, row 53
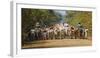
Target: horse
column 81, row 33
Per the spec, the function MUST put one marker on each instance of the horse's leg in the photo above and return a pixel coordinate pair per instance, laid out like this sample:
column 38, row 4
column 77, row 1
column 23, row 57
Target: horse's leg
column 71, row 35
column 76, row 34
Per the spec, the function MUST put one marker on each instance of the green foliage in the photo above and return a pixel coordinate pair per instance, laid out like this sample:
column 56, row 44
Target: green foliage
column 31, row 16
column 84, row 17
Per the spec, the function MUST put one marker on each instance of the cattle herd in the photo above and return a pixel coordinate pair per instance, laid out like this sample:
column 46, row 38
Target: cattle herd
column 57, row 31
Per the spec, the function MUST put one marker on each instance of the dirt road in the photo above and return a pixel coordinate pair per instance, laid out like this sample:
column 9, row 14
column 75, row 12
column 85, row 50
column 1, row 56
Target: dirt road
column 57, row 43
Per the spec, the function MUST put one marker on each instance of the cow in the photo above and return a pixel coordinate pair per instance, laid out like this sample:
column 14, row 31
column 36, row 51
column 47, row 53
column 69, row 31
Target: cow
column 85, row 34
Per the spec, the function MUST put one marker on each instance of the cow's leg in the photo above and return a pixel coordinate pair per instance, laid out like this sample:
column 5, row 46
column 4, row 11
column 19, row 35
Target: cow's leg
column 71, row 35
column 60, row 34
column 50, row 35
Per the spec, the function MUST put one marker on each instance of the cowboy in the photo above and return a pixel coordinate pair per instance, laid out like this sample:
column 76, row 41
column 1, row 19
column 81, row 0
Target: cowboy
column 79, row 25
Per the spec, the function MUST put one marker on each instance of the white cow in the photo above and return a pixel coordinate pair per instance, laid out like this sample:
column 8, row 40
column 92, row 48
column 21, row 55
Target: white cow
column 86, row 33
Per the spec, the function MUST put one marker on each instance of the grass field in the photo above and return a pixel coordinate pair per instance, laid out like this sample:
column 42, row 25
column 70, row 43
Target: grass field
column 57, row 43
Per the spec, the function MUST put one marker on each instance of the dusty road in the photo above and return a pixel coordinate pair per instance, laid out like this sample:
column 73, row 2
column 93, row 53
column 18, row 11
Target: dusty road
column 57, row 43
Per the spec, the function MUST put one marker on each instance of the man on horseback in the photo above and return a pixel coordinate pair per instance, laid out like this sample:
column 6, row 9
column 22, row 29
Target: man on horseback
column 79, row 25
column 81, row 30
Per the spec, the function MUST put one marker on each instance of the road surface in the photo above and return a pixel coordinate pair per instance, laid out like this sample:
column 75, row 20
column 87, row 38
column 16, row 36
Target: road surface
column 57, row 43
